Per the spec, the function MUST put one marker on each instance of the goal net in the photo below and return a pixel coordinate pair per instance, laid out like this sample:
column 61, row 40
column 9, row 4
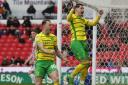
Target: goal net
column 112, row 47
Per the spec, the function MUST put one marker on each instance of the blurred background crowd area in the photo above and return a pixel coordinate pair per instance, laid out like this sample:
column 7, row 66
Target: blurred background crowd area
column 16, row 42
column 16, row 36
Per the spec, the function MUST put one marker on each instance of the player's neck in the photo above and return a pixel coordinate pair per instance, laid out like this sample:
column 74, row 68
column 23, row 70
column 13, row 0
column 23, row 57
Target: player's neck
column 45, row 32
column 77, row 14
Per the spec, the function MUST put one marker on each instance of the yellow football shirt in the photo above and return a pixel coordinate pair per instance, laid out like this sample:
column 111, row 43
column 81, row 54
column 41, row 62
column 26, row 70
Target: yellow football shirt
column 77, row 25
column 49, row 42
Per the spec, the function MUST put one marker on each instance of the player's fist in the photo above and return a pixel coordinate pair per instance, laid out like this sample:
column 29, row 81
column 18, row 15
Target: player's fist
column 74, row 4
column 52, row 51
column 100, row 12
column 65, row 53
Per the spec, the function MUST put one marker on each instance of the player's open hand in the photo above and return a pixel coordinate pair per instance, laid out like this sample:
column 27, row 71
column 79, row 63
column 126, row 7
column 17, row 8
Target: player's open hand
column 65, row 53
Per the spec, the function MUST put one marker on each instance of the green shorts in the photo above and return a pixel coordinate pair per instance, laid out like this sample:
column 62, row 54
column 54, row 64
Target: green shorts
column 80, row 50
column 43, row 67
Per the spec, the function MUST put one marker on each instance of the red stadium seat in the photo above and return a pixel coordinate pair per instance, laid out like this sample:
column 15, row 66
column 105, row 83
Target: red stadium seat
column 4, row 37
column 1, row 45
column 12, row 49
column 6, row 45
column 11, row 37
column 14, row 45
column 76, row 62
column 28, row 45
column 2, row 40
column 24, row 54
column 24, row 36
column 4, row 49
column 15, row 41
column 17, row 54
column 18, row 49
column 3, row 53
column 25, row 49
column 21, row 45
column 10, row 54
column 29, row 41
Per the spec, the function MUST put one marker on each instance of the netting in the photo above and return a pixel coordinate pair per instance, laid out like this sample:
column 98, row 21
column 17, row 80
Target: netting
column 112, row 47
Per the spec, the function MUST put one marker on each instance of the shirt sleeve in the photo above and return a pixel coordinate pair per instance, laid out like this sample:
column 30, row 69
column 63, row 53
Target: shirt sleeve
column 38, row 39
column 69, row 16
column 93, row 22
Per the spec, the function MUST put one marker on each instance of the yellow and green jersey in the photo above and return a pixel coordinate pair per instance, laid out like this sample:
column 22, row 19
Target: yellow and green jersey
column 49, row 42
column 77, row 25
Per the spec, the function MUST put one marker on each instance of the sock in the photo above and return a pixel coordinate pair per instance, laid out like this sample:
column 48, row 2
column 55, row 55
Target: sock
column 56, row 83
column 77, row 70
column 84, row 73
column 81, row 82
column 32, row 77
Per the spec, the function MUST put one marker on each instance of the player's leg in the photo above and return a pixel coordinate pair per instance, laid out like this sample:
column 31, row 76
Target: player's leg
column 79, row 51
column 31, row 73
column 86, row 63
column 81, row 68
column 77, row 70
column 38, row 80
column 84, row 73
column 53, row 73
column 39, row 72
column 55, row 77
column 74, row 73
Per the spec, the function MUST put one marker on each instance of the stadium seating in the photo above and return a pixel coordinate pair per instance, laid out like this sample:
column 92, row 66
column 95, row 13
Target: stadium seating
column 10, row 46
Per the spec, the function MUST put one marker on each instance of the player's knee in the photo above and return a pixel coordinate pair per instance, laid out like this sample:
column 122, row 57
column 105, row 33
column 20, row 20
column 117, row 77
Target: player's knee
column 38, row 81
column 55, row 78
column 85, row 64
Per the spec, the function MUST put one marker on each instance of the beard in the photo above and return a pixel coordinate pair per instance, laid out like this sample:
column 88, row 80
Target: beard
column 47, row 32
column 82, row 14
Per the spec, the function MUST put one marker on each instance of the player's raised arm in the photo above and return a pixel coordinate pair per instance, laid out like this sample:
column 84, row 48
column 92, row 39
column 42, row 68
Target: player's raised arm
column 69, row 16
column 96, row 20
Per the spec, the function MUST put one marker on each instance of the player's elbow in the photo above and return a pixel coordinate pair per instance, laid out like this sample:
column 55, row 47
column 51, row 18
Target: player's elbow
column 94, row 23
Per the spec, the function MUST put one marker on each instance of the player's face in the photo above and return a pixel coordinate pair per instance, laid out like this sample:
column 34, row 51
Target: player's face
column 33, row 34
column 47, row 27
column 80, row 10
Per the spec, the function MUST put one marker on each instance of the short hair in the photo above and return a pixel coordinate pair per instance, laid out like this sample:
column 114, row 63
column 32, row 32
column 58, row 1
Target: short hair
column 44, row 21
column 78, row 5
column 36, row 30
